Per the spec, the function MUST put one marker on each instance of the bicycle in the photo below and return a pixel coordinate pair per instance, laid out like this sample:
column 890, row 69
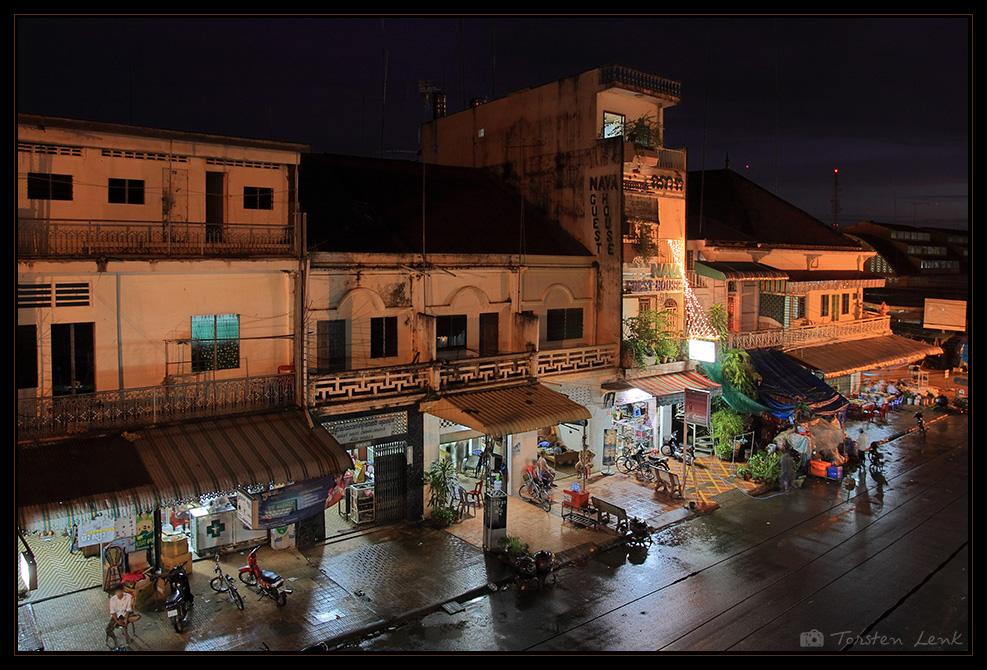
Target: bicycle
column 535, row 493
column 223, row 583
column 629, row 463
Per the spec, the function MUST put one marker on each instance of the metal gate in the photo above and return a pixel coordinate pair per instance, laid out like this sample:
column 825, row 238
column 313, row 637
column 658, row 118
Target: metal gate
column 390, row 482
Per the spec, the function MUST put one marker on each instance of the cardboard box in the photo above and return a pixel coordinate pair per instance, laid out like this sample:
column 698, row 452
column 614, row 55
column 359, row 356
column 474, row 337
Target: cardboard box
column 174, row 545
column 283, row 537
column 168, row 562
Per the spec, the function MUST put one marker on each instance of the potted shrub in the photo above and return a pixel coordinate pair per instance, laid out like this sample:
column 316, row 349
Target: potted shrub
column 726, row 424
column 644, row 133
column 440, row 478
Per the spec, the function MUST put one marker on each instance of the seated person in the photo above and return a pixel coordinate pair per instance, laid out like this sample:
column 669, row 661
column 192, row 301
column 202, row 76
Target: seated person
column 121, row 613
column 547, row 476
column 532, row 471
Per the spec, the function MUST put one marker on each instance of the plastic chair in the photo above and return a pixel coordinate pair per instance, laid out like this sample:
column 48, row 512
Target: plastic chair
column 476, row 495
column 465, row 503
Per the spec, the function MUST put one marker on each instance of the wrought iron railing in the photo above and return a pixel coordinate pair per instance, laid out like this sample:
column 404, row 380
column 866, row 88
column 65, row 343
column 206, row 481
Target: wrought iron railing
column 817, row 333
column 643, row 81
column 39, row 418
column 73, row 238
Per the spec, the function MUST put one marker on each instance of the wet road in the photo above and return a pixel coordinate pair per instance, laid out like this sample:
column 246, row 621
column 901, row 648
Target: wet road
column 880, row 568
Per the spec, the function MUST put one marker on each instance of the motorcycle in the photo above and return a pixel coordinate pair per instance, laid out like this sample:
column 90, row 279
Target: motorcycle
column 180, row 600
column 537, row 569
column 671, row 447
column 268, row 583
column 636, row 532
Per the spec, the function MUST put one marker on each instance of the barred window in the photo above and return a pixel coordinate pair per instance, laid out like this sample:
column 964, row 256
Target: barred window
column 215, row 342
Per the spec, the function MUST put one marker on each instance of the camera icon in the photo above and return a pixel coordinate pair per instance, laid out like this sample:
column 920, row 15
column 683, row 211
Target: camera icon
column 813, row 638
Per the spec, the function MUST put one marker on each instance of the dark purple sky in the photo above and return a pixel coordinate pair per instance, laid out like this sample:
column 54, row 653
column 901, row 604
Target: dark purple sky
column 885, row 100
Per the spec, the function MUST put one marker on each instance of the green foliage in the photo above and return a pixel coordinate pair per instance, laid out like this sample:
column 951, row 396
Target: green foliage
column 645, row 244
column 514, row 547
column 444, row 515
column 726, row 424
column 650, row 334
column 644, row 132
column 762, row 467
column 438, row 477
column 737, row 369
column 717, row 314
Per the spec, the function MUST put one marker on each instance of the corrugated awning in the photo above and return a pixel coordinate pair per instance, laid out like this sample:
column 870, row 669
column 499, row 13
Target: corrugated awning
column 162, row 466
column 738, row 270
column 503, row 411
column 670, row 389
column 843, row 358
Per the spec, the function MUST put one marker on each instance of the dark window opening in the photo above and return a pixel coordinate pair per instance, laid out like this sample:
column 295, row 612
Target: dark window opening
column 258, row 197
column 383, row 337
column 73, row 354
column 26, row 360
column 565, row 324
column 330, row 346
column 450, row 332
column 126, row 191
column 41, row 186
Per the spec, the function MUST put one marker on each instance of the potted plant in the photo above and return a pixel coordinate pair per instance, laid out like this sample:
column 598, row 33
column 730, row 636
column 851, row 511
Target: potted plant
column 647, row 336
column 644, row 133
column 439, row 478
column 726, row 424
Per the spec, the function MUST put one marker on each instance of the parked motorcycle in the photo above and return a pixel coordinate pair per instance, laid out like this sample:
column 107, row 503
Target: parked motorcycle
column 537, row 569
column 671, row 447
column 268, row 583
column 180, row 600
column 637, row 532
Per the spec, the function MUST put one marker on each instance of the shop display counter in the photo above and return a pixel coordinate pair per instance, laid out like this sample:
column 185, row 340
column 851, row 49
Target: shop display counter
column 362, row 503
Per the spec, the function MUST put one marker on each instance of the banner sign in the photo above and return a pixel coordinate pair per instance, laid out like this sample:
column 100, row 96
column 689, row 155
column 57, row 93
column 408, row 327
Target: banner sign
column 97, row 531
column 280, row 507
column 367, row 429
column 697, row 407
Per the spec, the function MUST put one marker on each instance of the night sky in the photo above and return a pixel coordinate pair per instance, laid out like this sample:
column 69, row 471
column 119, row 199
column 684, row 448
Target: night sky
column 884, row 100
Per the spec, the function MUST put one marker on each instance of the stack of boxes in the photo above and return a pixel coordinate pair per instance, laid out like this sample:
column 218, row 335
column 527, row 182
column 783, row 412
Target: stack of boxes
column 174, row 551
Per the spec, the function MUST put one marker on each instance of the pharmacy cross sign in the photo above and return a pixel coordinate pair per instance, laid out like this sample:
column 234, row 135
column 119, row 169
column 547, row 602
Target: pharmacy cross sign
column 216, row 528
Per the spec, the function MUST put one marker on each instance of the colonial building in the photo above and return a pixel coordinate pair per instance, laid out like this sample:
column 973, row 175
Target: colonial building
column 444, row 316
column 158, row 283
column 787, row 281
column 589, row 151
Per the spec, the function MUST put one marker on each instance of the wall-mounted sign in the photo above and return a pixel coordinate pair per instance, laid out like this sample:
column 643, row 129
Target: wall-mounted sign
column 288, row 504
column 368, row 428
column 702, row 350
column 664, row 183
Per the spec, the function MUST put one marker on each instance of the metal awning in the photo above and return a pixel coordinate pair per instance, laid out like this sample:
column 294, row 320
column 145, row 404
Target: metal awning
column 162, row 466
column 504, row 411
column 843, row 358
column 670, row 389
column 729, row 270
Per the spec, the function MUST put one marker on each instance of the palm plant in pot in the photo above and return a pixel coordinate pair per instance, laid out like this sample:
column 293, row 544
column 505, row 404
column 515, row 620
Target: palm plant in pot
column 440, row 478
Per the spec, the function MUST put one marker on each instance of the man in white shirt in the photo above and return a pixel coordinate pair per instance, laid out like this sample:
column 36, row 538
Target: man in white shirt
column 121, row 613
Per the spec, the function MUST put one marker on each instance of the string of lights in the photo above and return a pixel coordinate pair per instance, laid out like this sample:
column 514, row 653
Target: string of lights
column 697, row 321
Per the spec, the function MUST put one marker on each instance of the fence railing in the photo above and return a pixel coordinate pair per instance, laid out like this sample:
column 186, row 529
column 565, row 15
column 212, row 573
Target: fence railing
column 39, row 418
column 799, row 336
column 70, row 238
column 474, row 373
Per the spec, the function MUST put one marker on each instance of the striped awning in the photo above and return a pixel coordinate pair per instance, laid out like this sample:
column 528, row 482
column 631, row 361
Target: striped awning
column 162, row 466
column 843, row 358
column 738, row 270
column 504, row 411
column 670, row 389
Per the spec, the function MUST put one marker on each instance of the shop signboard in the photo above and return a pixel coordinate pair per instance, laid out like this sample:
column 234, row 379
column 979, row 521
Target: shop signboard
column 368, row 428
column 697, row 407
column 285, row 505
column 97, row 531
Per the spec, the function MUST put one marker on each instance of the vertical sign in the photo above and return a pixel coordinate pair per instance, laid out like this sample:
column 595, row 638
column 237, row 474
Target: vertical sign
column 697, row 407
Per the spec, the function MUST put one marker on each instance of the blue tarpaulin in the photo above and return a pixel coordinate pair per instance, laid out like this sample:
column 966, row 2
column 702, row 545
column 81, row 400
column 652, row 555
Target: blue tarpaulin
column 785, row 385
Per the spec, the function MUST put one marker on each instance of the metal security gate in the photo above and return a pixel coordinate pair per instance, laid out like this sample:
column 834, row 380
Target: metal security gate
column 390, row 482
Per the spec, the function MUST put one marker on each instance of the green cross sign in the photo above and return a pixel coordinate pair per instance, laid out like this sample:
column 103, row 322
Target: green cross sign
column 216, row 528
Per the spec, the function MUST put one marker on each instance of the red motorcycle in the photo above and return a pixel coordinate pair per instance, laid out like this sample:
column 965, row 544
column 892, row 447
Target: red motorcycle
column 269, row 583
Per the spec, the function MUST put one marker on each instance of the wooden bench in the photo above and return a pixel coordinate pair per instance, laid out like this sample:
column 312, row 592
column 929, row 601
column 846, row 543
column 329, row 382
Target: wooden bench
column 564, row 458
column 608, row 510
column 669, row 482
column 583, row 516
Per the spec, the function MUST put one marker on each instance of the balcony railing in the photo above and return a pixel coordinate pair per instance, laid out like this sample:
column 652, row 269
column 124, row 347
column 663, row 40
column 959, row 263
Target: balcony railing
column 801, row 336
column 74, row 238
column 650, row 84
column 411, row 381
column 39, row 418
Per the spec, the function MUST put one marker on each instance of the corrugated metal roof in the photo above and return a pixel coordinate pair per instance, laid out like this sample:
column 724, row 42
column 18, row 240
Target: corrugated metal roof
column 670, row 389
column 503, row 411
column 844, row 358
column 146, row 469
column 738, row 270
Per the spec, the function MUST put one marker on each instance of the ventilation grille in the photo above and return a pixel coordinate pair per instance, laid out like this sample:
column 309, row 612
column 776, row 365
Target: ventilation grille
column 69, row 294
column 50, row 149
column 145, row 156
column 248, row 164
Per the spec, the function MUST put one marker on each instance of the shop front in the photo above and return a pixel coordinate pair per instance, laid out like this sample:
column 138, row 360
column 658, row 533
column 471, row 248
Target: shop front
column 500, row 430
column 376, row 489
column 164, row 496
column 662, row 414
